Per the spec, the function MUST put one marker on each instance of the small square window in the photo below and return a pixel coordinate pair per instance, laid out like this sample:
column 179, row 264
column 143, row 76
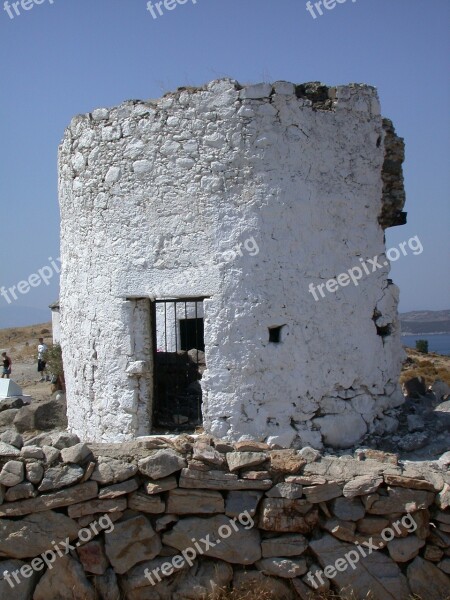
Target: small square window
column 275, row 335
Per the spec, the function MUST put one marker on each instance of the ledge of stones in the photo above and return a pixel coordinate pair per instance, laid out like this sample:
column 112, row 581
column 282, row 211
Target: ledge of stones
column 160, row 492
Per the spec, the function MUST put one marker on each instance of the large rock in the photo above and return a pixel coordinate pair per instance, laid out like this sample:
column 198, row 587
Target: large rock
column 162, row 463
column 147, row 504
column 362, row 485
column 118, row 489
column 285, row 545
column 8, row 451
column 33, row 534
column 376, row 572
column 9, row 588
column 218, row 480
column 93, row 558
column 43, row 416
column 107, row 587
column 20, row 491
column 240, row 501
column 345, row 468
column 296, row 516
column 291, row 491
column 77, row 493
column 12, row 437
column 286, row 462
column 185, row 502
column 208, row 454
column 7, row 417
column 76, row 454
column 60, row 477
column 371, row 525
column 236, row 547
column 241, row 460
column 348, row 509
column 68, row 578
column 161, row 485
column 398, row 500
column 111, row 470
column 92, row 507
column 63, row 439
column 322, row 493
column 130, row 542
column 427, row 581
column 341, row 431
column 405, row 549
column 12, row 473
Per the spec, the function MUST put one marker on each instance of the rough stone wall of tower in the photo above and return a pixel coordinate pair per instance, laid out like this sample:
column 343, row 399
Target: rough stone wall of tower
column 154, row 194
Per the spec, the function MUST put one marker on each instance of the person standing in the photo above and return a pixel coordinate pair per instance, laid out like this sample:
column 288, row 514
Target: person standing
column 7, row 362
column 42, row 351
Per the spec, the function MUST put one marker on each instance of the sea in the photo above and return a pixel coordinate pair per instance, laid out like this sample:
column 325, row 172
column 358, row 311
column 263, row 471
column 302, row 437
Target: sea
column 438, row 342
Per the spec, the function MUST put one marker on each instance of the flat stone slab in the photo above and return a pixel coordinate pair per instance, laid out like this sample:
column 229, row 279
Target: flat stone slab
column 97, row 506
column 427, row 581
column 281, row 515
column 240, row 547
column 73, row 495
column 118, row 489
column 145, row 503
column 376, row 572
column 132, row 541
column 33, row 534
column 220, row 481
column 291, row 544
column 191, row 502
column 162, row 463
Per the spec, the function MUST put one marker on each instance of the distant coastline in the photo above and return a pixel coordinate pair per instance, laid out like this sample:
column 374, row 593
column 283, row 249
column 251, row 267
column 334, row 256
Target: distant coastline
column 425, row 322
column 416, row 333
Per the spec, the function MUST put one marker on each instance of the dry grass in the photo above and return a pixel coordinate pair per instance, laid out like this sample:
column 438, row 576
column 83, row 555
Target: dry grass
column 429, row 366
column 258, row 592
column 21, row 342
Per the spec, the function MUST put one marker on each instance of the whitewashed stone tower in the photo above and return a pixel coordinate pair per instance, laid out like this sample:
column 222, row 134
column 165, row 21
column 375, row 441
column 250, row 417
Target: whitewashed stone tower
column 240, row 197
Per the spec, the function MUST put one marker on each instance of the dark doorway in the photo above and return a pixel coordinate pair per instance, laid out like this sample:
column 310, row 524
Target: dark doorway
column 191, row 334
column 179, row 363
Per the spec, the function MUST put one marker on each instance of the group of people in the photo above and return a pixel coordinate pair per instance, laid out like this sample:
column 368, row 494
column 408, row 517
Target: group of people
column 41, row 366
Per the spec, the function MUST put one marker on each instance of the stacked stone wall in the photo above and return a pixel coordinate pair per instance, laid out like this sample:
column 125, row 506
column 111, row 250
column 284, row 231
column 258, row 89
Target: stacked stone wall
column 121, row 514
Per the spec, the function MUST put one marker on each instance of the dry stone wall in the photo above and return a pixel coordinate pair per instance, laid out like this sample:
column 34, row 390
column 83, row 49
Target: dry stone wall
column 256, row 514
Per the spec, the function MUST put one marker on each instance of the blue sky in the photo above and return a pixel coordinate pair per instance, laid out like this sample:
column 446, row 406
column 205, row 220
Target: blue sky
column 72, row 56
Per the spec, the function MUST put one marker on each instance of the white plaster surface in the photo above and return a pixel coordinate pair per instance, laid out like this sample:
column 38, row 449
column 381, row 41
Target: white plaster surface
column 154, row 193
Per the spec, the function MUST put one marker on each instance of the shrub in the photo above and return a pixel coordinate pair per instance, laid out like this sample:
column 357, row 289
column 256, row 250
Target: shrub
column 55, row 365
column 53, row 358
column 422, row 346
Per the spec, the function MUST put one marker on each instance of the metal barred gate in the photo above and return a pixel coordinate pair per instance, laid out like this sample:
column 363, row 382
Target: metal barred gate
column 179, row 362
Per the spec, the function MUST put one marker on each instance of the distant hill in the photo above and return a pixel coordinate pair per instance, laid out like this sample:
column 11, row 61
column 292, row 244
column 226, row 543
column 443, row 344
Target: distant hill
column 425, row 321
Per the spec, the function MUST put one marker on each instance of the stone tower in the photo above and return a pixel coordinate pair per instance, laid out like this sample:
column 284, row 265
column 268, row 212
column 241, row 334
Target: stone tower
column 194, row 230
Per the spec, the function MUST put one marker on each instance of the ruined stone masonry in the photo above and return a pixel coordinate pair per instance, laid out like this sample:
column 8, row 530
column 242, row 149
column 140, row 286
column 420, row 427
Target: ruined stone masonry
column 305, row 511
column 154, row 195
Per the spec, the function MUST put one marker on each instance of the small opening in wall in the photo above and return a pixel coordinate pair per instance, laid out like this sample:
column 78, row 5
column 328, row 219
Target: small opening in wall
column 275, row 334
column 384, row 331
